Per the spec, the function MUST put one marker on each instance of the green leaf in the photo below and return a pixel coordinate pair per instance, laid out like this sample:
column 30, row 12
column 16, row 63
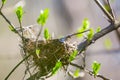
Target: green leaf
column 37, row 52
column 12, row 29
column 19, row 13
column 85, row 26
column 108, row 43
column 57, row 67
column 73, row 55
column 90, row 34
column 76, row 73
column 80, row 30
column 4, row 1
column 43, row 17
column 107, row 7
column 96, row 67
column 98, row 29
column 46, row 34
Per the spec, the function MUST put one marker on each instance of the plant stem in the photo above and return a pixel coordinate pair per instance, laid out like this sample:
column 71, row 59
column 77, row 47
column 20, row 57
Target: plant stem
column 111, row 10
column 36, row 41
column 1, row 7
column 89, row 72
column 17, row 66
column 98, row 35
column 40, row 31
column 71, row 35
column 104, row 10
column 10, row 24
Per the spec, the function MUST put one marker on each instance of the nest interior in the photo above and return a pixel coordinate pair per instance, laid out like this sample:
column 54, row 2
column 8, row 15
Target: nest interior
column 50, row 52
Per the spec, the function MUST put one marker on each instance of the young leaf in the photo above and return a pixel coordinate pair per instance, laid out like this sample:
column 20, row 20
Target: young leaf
column 96, row 67
column 3, row 1
column 80, row 30
column 37, row 52
column 76, row 73
column 46, row 34
column 19, row 13
column 73, row 55
column 12, row 29
column 98, row 29
column 107, row 7
column 90, row 34
column 43, row 17
column 57, row 67
column 85, row 26
column 108, row 43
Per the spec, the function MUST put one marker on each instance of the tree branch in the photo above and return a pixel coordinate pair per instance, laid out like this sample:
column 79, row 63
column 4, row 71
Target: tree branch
column 113, row 26
column 10, row 23
column 111, row 10
column 89, row 72
column 111, row 19
column 17, row 66
column 98, row 35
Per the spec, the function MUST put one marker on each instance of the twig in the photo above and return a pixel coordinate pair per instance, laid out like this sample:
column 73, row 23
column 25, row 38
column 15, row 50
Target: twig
column 102, row 77
column 36, row 41
column 104, row 10
column 81, row 67
column 39, row 33
column 111, row 10
column 17, row 66
column 26, row 62
column 23, row 39
column 118, row 35
column 71, row 35
column 98, row 35
column 89, row 72
column 98, row 75
column 10, row 23
column 1, row 7
column 84, row 59
column 82, row 45
column 27, row 66
column 8, row 20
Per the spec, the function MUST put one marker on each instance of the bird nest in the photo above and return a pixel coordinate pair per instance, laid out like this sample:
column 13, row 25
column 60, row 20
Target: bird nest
column 50, row 52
